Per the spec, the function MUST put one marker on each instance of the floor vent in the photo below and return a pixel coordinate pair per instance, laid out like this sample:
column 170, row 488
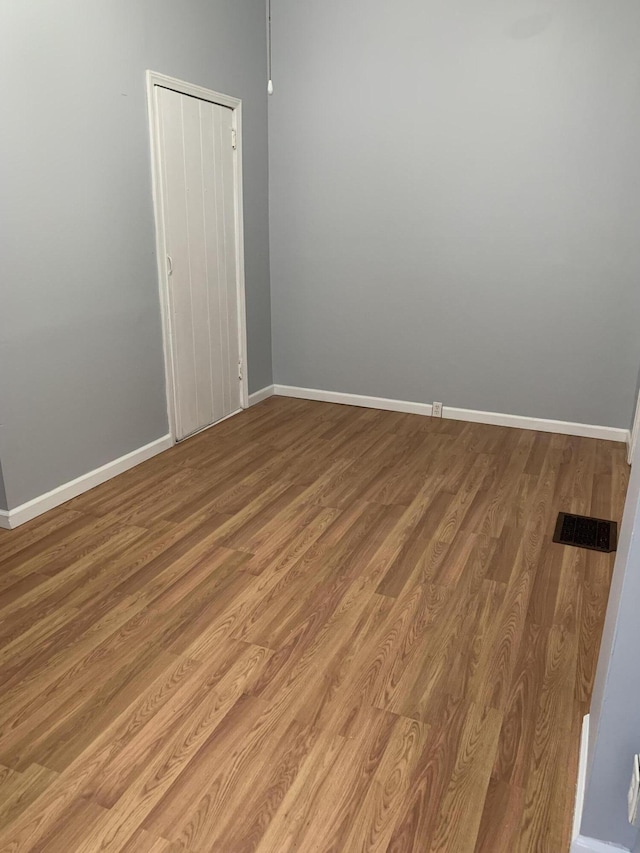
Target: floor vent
column 583, row 532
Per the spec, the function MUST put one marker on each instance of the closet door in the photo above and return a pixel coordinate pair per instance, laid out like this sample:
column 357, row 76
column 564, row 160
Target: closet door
column 197, row 168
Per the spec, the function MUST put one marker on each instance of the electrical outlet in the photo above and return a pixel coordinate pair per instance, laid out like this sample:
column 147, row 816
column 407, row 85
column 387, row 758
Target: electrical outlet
column 633, row 798
column 437, row 410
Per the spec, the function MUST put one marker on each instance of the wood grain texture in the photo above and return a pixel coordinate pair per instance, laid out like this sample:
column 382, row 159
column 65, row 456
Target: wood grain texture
column 311, row 628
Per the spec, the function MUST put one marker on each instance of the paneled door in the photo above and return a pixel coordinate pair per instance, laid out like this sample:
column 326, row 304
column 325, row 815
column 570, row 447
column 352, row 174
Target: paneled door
column 196, row 146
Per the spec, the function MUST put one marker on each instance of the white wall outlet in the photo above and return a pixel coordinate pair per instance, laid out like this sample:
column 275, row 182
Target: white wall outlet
column 633, row 797
column 437, row 410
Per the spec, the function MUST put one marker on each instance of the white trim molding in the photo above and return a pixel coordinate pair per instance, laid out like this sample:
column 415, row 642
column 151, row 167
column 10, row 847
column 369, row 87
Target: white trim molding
column 582, row 777
column 15, row 517
column 353, row 400
column 538, row 424
column 471, row 415
column 582, row 844
column 633, row 436
column 262, row 394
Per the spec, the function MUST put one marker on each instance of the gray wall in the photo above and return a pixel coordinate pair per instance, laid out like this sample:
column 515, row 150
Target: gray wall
column 80, row 335
column 614, row 725
column 455, row 198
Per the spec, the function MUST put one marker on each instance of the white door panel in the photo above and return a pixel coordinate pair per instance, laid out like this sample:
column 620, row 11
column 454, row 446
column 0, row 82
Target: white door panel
column 197, row 164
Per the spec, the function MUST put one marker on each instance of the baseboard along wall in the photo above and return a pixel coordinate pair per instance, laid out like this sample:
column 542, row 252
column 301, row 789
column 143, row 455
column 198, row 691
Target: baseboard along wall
column 582, row 777
column 25, row 512
column 261, row 395
column 15, row 517
column 582, row 844
column 471, row 415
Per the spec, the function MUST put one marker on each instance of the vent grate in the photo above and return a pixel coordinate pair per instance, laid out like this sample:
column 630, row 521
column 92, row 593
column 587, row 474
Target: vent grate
column 584, row 532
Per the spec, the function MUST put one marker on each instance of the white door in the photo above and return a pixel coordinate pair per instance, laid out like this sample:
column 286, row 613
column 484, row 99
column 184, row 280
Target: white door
column 196, row 161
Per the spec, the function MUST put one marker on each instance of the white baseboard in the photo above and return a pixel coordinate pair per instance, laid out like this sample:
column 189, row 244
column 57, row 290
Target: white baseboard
column 261, row 395
column 582, row 777
column 538, row 424
column 582, row 844
column 37, row 506
column 354, row 400
column 472, row 415
column 15, row 517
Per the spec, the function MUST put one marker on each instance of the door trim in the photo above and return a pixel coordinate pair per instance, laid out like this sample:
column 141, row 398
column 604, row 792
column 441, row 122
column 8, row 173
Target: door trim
column 635, row 432
column 235, row 104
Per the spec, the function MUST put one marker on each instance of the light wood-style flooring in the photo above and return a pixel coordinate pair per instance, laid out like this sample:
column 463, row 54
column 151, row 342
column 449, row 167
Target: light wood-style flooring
column 311, row 628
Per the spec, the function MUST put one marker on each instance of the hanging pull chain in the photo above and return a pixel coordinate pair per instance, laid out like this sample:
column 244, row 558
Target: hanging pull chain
column 269, row 60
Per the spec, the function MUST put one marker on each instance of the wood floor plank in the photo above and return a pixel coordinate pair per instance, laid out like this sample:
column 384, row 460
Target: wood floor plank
column 322, row 822
column 22, row 789
column 315, row 628
column 501, row 818
column 373, row 824
column 33, row 534
column 546, row 803
column 248, row 813
column 187, row 689
column 418, row 817
column 173, row 757
column 457, row 822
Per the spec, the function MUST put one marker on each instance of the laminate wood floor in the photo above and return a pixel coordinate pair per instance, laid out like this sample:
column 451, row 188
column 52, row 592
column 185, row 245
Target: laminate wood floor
column 311, row 628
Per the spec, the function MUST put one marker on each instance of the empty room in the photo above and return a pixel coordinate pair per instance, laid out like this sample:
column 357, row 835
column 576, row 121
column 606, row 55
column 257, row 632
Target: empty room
column 319, row 458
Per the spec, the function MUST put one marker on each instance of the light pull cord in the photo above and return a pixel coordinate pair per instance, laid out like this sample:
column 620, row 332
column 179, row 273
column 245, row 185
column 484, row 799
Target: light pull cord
column 269, row 65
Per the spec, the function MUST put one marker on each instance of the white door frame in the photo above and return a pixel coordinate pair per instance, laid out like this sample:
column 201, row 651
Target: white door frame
column 635, row 433
column 154, row 79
